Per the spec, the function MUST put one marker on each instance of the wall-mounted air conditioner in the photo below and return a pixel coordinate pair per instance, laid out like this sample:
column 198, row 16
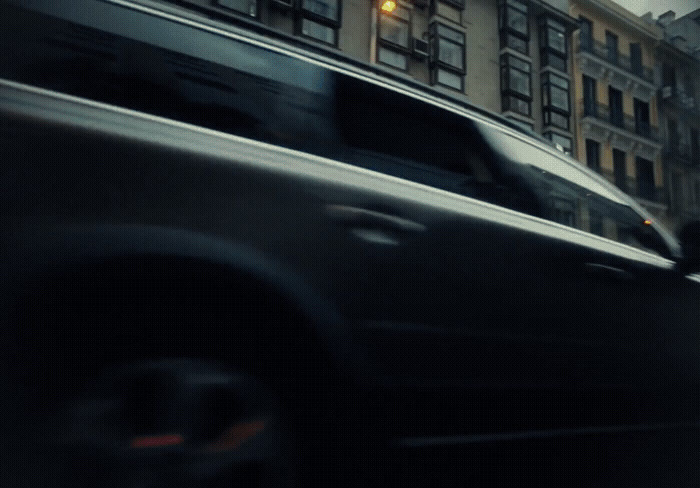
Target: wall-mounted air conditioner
column 420, row 48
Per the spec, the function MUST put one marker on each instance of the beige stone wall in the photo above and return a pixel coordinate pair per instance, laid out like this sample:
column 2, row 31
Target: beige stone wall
column 482, row 83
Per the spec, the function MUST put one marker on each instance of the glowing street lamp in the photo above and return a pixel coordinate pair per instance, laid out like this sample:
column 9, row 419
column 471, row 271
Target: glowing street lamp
column 387, row 6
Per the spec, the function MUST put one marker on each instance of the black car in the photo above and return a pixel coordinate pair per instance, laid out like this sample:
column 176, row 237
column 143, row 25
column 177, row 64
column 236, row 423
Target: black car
column 230, row 261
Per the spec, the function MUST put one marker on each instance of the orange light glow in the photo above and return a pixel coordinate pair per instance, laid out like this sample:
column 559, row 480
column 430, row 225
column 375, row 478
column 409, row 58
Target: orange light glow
column 236, row 435
column 647, row 222
column 157, row 440
column 388, row 6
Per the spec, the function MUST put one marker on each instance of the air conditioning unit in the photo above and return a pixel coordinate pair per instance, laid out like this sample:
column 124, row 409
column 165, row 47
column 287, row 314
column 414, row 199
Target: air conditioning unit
column 666, row 92
column 420, row 48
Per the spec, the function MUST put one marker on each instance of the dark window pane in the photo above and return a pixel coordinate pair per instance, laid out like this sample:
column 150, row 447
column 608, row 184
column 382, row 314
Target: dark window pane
column 620, row 169
column 590, row 96
column 318, row 31
column 392, row 58
column 645, row 179
column 641, row 118
column 323, row 8
column 636, row 58
column 449, row 79
column 393, row 30
column 616, row 114
column 593, row 154
column 611, row 45
column 586, row 34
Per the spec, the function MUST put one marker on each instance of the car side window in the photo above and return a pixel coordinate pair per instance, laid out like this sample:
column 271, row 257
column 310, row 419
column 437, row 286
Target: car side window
column 567, row 195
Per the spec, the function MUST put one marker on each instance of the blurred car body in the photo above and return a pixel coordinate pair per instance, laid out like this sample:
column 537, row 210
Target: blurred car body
column 421, row 294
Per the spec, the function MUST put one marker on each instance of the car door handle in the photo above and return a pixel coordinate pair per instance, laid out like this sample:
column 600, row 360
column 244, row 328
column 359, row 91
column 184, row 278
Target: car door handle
column 373, row 226
column 605, row 271
column 358, row 216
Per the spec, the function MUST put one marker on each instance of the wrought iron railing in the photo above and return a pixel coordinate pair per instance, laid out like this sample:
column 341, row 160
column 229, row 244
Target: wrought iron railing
column 624, row 121
column 600, row 50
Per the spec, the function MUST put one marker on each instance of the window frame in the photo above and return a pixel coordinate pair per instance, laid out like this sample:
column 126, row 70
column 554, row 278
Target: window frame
column 400, row 16
column 620, row 173
column 506, row 9
column 254, row 3
column 593, row 144
column 617, row 113
column 304, row 14
column 549, row 53
column 436, row 39
column 507, row 91
column 644, row 190
column 568, row 149
column 549, row 108
column 458, row 4
column 585, row 35
column 612, row 47
column 319, row 18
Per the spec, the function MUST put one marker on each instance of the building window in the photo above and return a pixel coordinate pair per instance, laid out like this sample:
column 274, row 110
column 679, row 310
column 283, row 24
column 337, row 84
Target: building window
column 514, row 25
column 394, row 37
column 434, row 6
column 248, row 7
column 317, row 31
column 620, row 169
column 641, row 118
column 555, row 100
column 636, row 59
column 327, row 9
column 611, row 46
column 392, row 58
column 563, row 141
column 593, row 154
column 645, row 179
column 590, row 96
column 617, row 117
column 520, row 123
column 694, row 145
column 553, row 44
column 449, row 79
column 673, row 135
column 515, row 84
column 320, row 20
column 585, row 34
column 447, row 56
column 668, row 77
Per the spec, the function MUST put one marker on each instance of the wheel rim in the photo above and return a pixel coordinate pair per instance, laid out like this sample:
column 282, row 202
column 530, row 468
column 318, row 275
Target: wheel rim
column 175, row 422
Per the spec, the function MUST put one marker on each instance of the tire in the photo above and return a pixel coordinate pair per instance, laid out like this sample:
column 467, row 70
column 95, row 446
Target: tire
column 175, row 422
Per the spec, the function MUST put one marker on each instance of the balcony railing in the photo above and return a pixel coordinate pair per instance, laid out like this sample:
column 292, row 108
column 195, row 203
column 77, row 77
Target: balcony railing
column 682, row 152
column 623, row 121
column 678, row 98
column 600, row 50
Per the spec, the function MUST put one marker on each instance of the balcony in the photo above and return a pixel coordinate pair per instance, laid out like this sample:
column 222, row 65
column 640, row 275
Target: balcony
column 617, row 69
column 670, row 95
column 680, row 153
column 621, row 129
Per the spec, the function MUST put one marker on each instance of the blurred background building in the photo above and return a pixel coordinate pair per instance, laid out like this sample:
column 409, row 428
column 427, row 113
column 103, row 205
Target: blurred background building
column 614, row 90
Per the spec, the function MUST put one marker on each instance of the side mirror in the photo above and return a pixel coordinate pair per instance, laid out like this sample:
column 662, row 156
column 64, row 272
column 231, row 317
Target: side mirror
column 689, row 237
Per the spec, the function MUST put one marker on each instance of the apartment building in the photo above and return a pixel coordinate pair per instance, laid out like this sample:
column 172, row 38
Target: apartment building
column 508, row 56
column 679, row 113
column 616, row 115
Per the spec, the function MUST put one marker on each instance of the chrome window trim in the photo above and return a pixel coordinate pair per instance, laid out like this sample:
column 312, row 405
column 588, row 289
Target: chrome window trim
column 52, row 106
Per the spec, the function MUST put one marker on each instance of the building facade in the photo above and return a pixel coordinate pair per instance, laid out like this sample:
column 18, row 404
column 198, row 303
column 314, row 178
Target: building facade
column 508, row 56
column 616, row 116
column 679, row 113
